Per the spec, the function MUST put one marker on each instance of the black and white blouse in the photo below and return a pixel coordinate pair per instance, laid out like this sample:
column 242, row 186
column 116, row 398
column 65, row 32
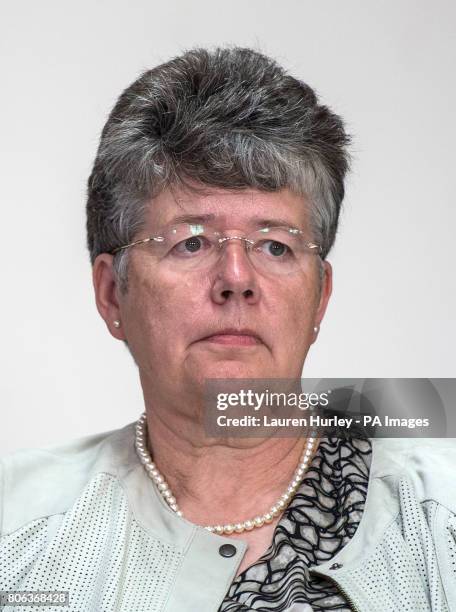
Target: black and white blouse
column 319, row 521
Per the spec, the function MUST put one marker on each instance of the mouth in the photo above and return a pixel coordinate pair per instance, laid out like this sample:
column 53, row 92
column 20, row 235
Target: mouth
column 233, row 337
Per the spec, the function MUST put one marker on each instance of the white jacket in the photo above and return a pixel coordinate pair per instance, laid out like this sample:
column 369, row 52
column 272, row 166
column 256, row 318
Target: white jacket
column 85, row 518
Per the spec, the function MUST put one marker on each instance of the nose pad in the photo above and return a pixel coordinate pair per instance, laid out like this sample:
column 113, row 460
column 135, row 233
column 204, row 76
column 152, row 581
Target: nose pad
column 246, row 244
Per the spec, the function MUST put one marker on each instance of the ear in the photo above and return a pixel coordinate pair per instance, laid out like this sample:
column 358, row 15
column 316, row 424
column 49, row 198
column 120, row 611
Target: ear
column 105, row 286
column 325, row 294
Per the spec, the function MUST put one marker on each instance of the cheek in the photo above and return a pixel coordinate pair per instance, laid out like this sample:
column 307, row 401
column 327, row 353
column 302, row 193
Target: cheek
column 295, row 306
column 164, row 307
column 298, row 300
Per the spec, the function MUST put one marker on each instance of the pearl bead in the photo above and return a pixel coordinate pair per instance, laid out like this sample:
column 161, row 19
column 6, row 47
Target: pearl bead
column 163, row 487
column 248, row 525
column 228, row 529
column 268, row 518
column 258, row 521
column 239, row 528
column 218, row 529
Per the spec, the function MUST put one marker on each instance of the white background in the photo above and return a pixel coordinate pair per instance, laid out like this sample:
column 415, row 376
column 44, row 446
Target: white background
column 388, row 67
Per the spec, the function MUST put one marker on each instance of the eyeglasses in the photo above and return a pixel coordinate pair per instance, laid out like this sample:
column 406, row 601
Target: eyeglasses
column 195, row 246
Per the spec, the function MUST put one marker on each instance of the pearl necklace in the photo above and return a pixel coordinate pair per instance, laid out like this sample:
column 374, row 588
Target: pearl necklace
column 248, row 525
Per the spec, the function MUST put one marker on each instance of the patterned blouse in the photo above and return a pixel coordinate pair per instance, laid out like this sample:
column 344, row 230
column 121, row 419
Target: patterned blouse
column 321, row 518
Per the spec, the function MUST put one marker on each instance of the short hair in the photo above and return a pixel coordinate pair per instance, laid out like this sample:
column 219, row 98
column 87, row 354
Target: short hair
column 229, row 118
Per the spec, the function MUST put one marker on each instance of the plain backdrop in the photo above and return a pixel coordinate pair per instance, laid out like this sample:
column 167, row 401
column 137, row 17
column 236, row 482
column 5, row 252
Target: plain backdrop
column 388, row 67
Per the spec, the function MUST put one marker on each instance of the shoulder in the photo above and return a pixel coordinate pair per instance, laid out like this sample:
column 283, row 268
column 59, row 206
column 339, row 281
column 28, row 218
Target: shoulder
column 429, row 465
column 40, row 482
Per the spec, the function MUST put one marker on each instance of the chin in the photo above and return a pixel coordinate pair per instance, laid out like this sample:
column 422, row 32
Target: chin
column 234, row 369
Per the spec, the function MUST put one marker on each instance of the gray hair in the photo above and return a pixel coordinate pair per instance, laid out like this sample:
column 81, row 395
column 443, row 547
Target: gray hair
column 229, row 118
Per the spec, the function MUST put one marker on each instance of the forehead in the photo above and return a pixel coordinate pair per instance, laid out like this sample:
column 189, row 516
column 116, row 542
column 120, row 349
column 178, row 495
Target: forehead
column 236, row 209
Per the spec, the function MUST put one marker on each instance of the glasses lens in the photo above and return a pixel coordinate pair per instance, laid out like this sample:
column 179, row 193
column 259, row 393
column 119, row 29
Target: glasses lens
column 278, row 250
column 272, row 250
column 188, row 245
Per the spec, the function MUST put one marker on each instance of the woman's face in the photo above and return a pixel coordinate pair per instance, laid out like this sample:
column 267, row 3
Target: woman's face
column 229, row 321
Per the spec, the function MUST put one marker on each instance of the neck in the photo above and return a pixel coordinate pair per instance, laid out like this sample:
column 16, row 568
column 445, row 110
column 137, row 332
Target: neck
column 219, row 481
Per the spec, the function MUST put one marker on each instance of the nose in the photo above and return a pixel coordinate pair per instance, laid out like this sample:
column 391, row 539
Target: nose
column 235, row 278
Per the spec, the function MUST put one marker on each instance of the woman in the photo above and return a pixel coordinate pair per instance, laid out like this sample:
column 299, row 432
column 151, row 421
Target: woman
column 212, row 205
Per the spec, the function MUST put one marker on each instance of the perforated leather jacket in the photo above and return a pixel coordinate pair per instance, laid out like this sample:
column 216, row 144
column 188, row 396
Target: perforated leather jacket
column 84, row 518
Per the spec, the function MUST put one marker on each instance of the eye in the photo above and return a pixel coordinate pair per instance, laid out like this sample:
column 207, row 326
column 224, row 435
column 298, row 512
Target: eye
column 274, row 248
column 192, row 245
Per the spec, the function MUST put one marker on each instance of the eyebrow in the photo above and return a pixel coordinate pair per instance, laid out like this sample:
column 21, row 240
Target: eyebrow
column 258, row 221
column 191, row 219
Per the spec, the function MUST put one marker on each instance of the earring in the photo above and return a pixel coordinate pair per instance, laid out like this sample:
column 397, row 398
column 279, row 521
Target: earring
column 315, row 329
column 116, row 323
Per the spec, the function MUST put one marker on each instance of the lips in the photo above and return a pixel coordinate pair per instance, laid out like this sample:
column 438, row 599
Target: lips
column 233, row 337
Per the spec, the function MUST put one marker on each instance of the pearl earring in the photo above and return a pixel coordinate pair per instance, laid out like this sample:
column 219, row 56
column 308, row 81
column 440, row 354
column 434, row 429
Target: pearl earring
column 116, row 323
column 315, row 329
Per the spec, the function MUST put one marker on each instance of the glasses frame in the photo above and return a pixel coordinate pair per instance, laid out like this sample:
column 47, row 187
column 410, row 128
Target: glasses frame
column 312, row 246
